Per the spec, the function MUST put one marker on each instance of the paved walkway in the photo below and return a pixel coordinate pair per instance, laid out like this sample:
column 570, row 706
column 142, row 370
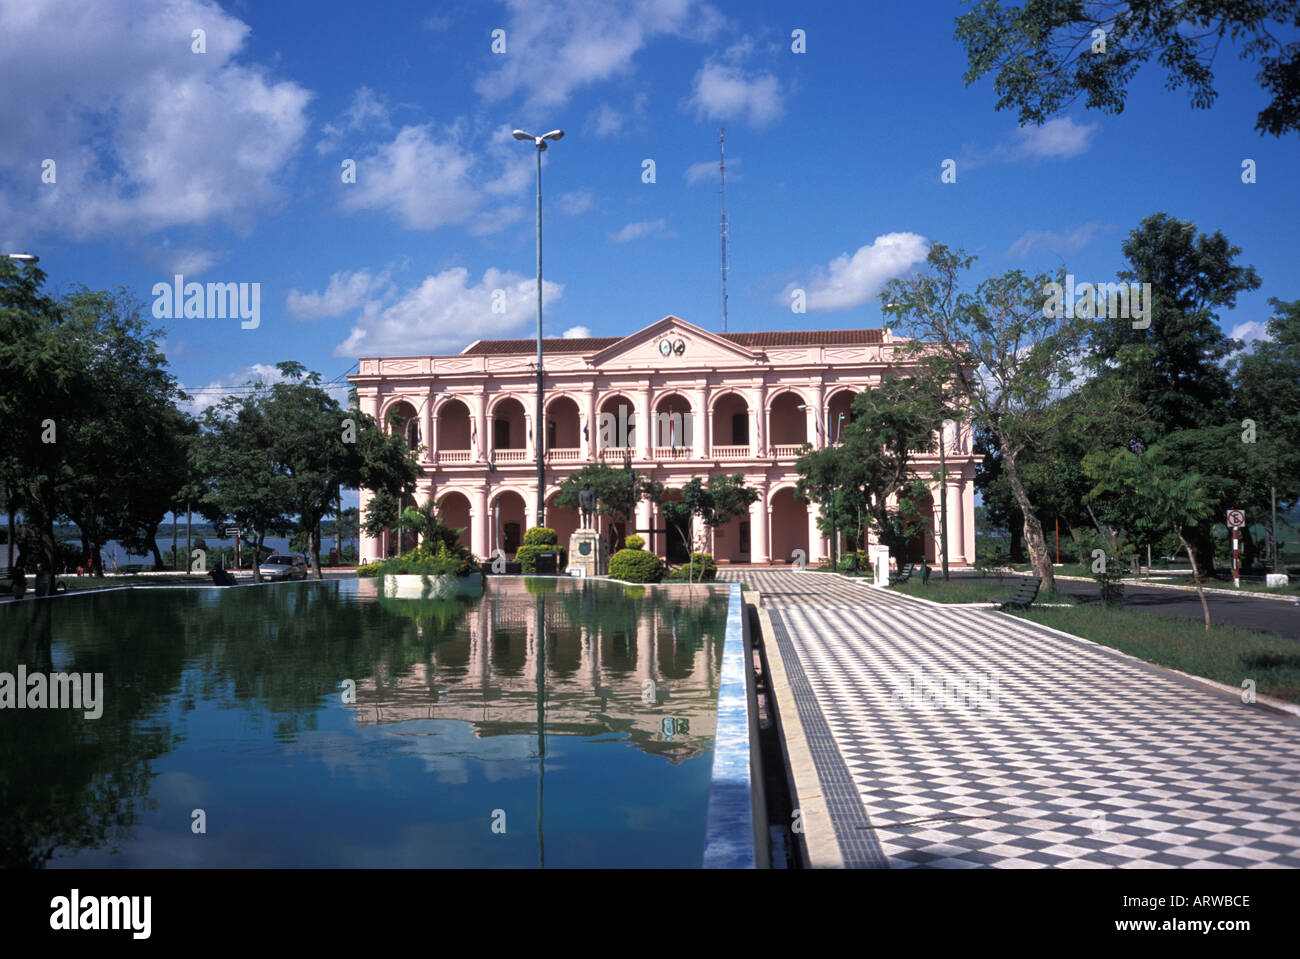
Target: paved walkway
column 963, row 738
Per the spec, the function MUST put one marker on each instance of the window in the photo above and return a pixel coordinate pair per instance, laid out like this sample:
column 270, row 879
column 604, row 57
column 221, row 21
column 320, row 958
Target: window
column 501, row 434
column 550, row 434
column 744, row 537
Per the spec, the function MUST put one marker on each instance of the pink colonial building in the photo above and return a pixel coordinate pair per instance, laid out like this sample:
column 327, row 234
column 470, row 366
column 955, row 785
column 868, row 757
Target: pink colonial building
column 715, row 403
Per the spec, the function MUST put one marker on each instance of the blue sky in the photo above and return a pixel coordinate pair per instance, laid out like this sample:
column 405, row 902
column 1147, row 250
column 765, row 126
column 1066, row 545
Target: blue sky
column 225, row 166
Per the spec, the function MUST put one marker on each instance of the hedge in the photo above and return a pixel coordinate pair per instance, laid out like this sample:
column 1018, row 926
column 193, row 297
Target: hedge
column 634, row 542
column 541, row 536
column 526, row 557
column 636, row 566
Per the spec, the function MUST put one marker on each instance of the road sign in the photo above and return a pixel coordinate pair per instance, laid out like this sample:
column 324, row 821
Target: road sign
column 1236, row 518
column 230, row 532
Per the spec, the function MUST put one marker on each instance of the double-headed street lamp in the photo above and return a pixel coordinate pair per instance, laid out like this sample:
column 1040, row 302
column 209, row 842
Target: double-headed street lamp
column 540, row 143
column 27, row 259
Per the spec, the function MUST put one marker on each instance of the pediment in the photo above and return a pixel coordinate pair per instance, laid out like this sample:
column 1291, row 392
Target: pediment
column 688, row 346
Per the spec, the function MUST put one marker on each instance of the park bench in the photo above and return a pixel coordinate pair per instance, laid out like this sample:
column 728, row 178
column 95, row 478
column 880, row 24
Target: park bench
column 6, row 572
column 1023, row 596
column 132, row 569
column 906, row 573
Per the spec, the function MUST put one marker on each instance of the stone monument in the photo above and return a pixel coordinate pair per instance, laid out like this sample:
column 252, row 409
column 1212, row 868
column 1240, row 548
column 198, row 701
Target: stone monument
column 587, row 556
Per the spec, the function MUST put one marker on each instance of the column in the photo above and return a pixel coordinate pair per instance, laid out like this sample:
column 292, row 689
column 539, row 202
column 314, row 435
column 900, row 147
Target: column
column 431, row 437
column 369, row 545
column 478, row 523
column 478, row 410
column 758, row 525
column 591, row 443
column 644, row 426
column 968, row 518
column 699, row 424
column 817, row 436
column 644, row 521
column 815, row 551
column 426, row 429
column 956, row 524
column 758, row 436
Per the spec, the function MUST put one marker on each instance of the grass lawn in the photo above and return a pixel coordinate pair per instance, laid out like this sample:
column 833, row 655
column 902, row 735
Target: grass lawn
column 1225, row 653
column 962, row 591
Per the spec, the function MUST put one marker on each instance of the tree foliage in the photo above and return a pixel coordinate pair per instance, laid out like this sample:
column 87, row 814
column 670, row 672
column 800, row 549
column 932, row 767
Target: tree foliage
column 1048, row 53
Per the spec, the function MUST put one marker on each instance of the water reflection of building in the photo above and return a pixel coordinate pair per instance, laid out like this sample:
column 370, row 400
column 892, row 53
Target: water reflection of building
column 610, row 667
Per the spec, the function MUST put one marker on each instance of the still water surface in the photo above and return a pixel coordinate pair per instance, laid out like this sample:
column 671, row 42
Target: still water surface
column 467, row 742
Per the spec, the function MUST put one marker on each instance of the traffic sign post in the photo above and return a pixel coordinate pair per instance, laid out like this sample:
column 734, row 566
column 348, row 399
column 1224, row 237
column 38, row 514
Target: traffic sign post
column 1236, row 520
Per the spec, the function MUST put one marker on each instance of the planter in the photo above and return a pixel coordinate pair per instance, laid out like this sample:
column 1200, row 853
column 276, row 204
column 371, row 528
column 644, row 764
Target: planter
column 430, row 587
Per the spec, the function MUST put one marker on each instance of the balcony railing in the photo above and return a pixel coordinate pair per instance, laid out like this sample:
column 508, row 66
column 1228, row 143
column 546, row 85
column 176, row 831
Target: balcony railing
column 672, row 452
column 509, row 456
column 786, row 450
column 730, row 452
column 564, row 455
column 453, row 456
column 615, row 452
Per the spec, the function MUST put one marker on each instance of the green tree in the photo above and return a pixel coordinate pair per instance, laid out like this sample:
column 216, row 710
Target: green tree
column 241, row 474
column 45, row 387
column 997, row 355
column 1175, row 367
column 1145, row 489
column 1266, row 400
column 873, row 463
column 617, row 491
column 1048, row 53
column 724, row 498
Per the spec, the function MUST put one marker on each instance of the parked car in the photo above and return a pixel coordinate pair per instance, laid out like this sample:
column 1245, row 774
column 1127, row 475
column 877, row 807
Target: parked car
column 280, row 566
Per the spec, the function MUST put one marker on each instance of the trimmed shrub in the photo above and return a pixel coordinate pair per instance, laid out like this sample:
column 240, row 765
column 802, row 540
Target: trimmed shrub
column 701, row 568
column 541, row 536
column 636, row 566
column 423, row 562
column 634, row 542
column 526, row 556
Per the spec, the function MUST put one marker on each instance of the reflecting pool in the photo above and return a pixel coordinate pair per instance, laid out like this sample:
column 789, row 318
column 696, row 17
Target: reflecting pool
column 551, row 722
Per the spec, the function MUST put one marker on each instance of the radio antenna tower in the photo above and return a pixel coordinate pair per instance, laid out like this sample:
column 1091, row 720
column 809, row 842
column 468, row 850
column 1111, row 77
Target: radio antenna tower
column 722, row 183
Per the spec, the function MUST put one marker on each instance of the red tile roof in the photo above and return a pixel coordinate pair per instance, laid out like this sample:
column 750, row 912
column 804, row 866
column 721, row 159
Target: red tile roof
column 594, row 344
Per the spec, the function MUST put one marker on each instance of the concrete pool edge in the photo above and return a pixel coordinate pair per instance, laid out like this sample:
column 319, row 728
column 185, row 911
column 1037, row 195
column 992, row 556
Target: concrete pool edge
column 729, row 836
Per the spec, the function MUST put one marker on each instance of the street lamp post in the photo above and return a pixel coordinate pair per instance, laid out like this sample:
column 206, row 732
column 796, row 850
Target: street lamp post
column 540, row 143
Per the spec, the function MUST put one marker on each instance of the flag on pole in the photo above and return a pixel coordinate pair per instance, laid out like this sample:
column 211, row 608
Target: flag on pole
column 473, row 434
column 672, row 434
column 586, row 436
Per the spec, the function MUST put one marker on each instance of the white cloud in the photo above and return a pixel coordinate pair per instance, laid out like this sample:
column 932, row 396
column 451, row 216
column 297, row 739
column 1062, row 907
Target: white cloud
column 1250, row 332
column 554, row 47
column 606, row 121
column 345, row 292
column 1057, row 139
column 421, row 180
column 638, row 230
column 725, row 91
column 365, row 111
column 577, row 333
column 239, row 383
column 145, row 133
column 1052, row 242
column 850, row 281
column 708, row 170
column 576, row 202
column 446, row 312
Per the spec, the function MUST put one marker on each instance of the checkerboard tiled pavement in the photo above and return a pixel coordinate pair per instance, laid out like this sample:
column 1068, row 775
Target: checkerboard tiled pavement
column 962, row 738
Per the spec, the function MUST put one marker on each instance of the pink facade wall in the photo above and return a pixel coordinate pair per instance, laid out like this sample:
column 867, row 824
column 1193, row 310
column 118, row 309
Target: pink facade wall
column 719, row 391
